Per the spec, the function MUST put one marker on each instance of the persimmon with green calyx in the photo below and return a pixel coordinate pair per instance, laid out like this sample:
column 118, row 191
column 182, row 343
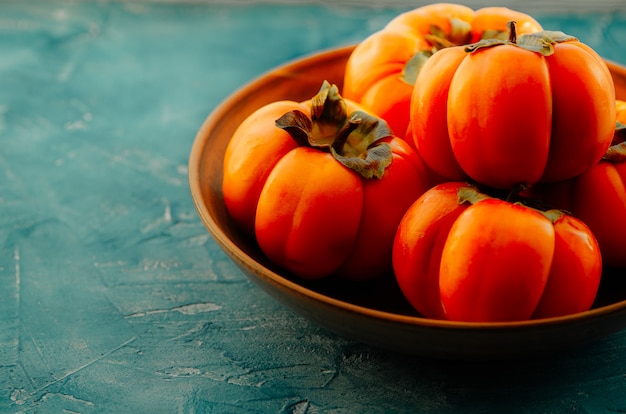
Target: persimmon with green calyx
column 461, row 254
column 382, row 69
column 537, row 107
column 598, row 196
column 321, row 185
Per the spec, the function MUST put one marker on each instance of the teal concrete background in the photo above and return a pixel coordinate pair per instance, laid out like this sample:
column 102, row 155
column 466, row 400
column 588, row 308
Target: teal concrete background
column 113, row 297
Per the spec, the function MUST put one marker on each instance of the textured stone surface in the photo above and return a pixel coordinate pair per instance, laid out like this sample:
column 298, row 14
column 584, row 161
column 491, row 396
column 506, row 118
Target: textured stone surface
column 113, row 298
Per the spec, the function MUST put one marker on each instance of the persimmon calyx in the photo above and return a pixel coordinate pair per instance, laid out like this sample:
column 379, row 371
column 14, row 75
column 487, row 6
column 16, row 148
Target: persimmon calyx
column 552, row 214
column 413, row 67
column 328, row 113
column 617, row 151
column 542, row 42
column 354, row 140
column 472, row 195
column 460, row 34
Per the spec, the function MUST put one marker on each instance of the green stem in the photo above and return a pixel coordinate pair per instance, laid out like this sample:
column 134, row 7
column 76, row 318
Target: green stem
column 354, row 140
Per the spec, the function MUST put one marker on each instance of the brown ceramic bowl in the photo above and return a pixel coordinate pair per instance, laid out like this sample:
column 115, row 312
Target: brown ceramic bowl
column 374, row 313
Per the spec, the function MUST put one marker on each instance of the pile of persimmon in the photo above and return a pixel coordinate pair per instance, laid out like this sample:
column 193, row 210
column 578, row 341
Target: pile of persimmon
column 474, row 156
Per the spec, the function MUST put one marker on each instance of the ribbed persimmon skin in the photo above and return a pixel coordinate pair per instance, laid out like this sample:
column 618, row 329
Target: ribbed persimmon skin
column 583, row 110
column 252, row 152
column 429, row 113
column 598, row 198
column 495, row 263
column 462, row 255
column 500, row 116
column 575, row 272
column 305, row 226
column 418, row 246
column 513, row 117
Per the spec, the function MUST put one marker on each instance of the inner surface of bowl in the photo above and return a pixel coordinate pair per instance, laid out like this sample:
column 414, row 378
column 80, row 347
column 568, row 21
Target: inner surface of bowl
column 374, row 312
